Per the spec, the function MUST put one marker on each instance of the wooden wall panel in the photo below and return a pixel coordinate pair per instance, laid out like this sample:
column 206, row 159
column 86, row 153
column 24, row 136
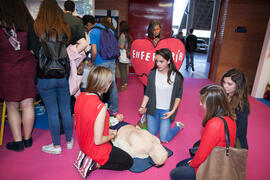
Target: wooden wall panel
column 241, row 50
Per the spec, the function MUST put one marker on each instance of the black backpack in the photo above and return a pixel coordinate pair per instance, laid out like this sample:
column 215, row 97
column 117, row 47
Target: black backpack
column 53, row 61
column 109, row 48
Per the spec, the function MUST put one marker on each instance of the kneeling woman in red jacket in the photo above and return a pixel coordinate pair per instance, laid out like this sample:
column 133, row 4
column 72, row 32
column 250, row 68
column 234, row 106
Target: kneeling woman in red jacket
column 92, row 124
column 215, row 103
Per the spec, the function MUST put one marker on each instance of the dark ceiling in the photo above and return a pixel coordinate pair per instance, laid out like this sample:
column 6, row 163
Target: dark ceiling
column 202, row 17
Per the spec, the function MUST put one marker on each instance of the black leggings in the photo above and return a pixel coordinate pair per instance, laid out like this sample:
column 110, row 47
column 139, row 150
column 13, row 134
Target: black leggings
column 118, row 160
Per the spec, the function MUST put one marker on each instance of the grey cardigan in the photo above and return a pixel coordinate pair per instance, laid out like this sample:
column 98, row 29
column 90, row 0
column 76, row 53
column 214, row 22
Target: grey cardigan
column 151, row 93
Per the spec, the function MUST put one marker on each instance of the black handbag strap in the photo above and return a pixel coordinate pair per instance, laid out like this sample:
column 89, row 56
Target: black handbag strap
column 227, row 136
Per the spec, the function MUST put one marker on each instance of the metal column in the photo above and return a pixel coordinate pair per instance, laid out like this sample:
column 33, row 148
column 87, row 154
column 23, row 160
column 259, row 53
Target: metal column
column 190, row 15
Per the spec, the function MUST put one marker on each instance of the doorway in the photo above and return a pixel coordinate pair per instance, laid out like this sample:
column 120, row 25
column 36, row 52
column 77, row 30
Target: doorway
column 197, row 15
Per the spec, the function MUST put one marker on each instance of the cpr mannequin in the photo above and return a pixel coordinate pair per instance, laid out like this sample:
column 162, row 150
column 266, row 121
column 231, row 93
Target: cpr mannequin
column 139, row 142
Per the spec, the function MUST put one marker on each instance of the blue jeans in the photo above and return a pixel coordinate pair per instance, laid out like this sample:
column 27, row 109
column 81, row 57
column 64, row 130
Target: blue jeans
column 189, row 59
column 154, row 124
column 113, row 99
column 183, row 171
column 56, row 97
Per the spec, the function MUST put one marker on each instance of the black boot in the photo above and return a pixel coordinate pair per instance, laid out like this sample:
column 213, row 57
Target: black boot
column 15, row 146
column 27, row 143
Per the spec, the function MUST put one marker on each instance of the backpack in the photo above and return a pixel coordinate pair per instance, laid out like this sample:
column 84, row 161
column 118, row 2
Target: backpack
column 53, row 61
column 109, row 48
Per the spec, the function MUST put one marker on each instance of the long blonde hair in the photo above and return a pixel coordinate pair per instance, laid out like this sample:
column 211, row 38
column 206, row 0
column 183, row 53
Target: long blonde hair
column 50, row 16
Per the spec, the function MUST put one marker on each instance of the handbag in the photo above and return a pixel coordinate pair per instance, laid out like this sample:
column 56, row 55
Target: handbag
column 85, row 165
column 224, row 163
column 142, row 123
column 123, row 58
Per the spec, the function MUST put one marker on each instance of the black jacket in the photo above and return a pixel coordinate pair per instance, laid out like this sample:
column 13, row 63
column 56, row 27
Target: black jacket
column 191, row 43
column 151, row 93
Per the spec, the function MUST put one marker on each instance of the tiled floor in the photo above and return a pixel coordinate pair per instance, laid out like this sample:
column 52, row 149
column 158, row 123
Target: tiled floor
column 201, row 67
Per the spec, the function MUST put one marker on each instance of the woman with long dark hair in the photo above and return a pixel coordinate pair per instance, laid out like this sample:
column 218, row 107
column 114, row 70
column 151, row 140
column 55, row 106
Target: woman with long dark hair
column 235, row 84
column 124, row 42
column 214, row 101
column 162, row 96
column 154, row 31
column 50, row 26
column 17, row 71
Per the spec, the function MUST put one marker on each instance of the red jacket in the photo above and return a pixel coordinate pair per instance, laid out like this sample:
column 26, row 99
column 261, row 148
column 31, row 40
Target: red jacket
column 213, row 135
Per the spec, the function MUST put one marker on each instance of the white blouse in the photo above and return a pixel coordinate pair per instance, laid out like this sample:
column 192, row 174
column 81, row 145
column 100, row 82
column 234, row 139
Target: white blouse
column 163, row 90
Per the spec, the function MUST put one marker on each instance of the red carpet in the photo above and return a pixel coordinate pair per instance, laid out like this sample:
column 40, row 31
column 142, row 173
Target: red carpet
column 33, row 164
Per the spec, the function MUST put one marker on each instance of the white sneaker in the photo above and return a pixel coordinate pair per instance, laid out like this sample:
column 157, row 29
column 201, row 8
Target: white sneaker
column 51, row 149
column 70, row 144
column 179, row 124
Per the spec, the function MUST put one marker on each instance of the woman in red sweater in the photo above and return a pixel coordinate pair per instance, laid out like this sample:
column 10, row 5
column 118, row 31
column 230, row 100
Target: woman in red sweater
column 92, row 124
column 215, row 103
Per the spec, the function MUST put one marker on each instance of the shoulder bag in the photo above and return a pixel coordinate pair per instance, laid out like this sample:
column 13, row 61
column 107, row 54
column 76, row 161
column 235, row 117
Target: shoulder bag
column 224, row 163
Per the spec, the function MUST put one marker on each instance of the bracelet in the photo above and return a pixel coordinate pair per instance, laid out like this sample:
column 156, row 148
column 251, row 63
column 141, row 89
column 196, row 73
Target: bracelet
column 142, row 107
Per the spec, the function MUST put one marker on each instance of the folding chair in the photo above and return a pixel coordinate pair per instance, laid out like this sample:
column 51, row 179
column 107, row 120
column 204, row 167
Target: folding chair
column 4, row 109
